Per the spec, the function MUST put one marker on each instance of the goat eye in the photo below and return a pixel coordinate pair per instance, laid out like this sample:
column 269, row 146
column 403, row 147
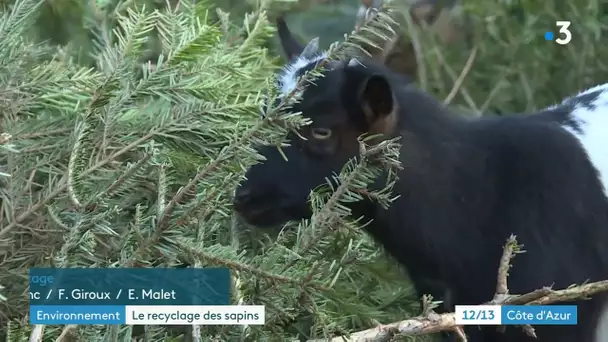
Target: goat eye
column 321, row 133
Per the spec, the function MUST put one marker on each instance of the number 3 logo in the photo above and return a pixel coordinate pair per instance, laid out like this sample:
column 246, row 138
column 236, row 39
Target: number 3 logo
column 563, row 30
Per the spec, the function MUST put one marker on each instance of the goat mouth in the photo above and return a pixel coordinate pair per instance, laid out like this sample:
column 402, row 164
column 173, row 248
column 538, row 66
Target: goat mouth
column 263, row 218
column 270, row 217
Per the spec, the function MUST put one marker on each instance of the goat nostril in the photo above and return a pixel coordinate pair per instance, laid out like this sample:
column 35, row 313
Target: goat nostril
column 242, row 195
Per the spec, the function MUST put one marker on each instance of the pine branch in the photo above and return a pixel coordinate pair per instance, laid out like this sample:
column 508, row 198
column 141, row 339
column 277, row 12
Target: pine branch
column 274, row 278
column 63, row 184
column 433, row 323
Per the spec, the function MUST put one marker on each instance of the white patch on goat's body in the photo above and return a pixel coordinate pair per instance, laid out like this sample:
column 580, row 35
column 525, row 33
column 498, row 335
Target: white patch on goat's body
column 592, row 121
column 601, row 330
column 288, row 79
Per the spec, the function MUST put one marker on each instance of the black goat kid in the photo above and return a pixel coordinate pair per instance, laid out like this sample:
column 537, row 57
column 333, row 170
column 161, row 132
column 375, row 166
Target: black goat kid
column 466, row 185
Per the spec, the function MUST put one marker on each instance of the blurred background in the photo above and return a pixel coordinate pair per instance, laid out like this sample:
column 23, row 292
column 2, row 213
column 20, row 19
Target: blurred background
column 513, row 65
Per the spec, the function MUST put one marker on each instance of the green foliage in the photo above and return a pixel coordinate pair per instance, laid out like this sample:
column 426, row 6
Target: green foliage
column 126, row 130
column 128, row 164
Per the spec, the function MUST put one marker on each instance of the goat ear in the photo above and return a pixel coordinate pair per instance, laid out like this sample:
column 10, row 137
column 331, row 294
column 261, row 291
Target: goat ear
column 376, row 98
column 425, row 11
column 442, row 16
column 291, row 46
column 378, row 103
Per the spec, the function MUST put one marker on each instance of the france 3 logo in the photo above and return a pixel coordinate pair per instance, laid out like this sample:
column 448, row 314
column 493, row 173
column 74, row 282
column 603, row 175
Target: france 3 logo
column 564, row 36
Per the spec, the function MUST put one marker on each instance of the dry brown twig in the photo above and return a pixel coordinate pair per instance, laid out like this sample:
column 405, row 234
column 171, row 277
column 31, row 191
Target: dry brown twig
column 432, row 322
column 66, row 332
column 460, row 80
column 4, row 138
column 37, row 333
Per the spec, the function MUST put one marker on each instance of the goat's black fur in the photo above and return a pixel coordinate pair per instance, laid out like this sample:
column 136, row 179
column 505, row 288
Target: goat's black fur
column 465, row 187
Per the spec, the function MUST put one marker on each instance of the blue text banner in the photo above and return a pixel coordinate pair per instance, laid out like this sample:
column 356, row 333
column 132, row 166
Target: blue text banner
column 129, row 286
column 148, row 314
column 516, row 315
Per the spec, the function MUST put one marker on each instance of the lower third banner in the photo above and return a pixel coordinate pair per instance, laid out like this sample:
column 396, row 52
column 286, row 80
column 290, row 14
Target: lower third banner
column 148, row 314
column 516, row 314
column 129, row 286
